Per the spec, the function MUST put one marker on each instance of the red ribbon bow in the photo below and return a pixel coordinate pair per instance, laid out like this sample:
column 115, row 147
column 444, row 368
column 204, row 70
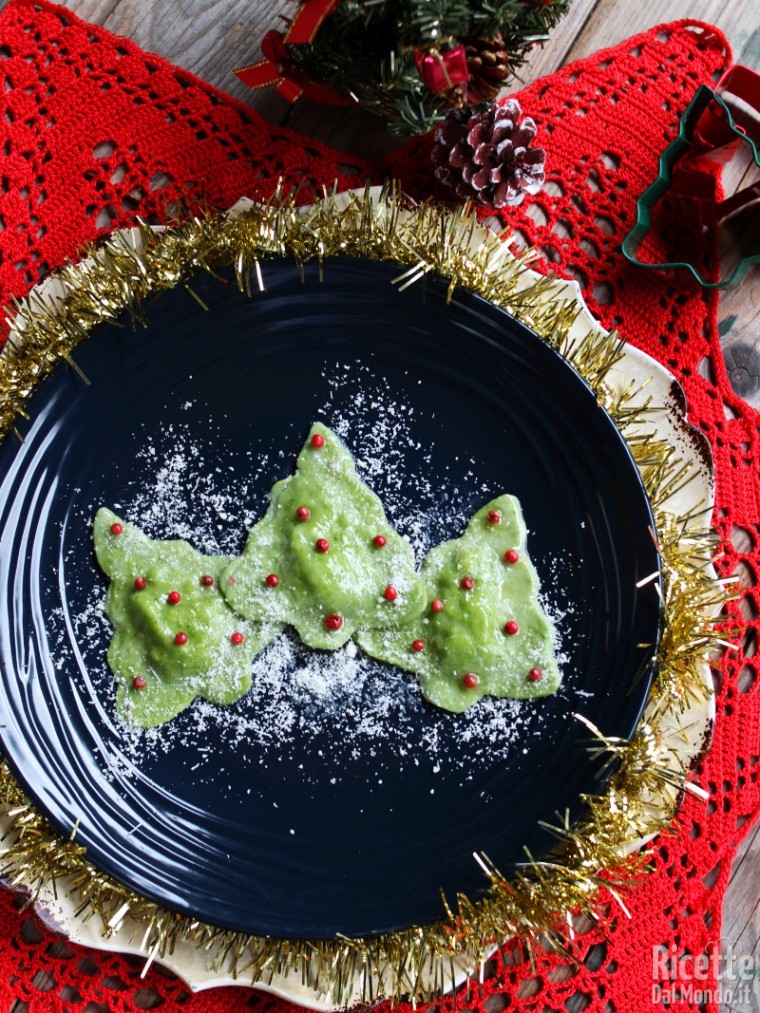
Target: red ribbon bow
column 278, row 68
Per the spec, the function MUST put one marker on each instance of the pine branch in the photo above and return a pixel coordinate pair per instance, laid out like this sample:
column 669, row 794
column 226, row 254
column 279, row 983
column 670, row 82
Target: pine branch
column 366, row 49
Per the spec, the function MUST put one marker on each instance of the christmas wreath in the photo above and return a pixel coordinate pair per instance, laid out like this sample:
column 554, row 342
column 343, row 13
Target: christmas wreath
column 409, row 61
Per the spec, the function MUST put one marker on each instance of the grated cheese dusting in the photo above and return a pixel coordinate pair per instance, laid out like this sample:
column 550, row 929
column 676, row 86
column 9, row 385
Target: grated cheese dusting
column 299, row 695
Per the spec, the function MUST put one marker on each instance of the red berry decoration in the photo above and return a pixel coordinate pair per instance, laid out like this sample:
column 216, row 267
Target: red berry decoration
column 511, row 628
column 494, row 517
column 317, row 441
column 230, row 580
column 470, row 680
column 467, row 583
column 321, row 545
column 334, row 621
column 207, row 580
column 303, row 513
column 174, row 597
column 139, row 682
column 237, row 638
column 181, row 639
column 378, row 541
column 116, row 528
column 534, row 674
column 140, row 583
column 390, row 593
column 436, row 604
column 418, row 645
column 272, row 580
column 511, row 556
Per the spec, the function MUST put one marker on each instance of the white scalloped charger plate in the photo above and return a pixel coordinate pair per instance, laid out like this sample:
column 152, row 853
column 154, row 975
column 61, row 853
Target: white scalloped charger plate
column 687, row 732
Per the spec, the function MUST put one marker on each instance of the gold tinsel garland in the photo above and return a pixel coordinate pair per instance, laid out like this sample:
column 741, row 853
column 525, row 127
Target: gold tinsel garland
column 640, row 796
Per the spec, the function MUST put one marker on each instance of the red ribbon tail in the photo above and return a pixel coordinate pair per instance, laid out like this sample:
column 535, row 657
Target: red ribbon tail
column 274, row 69
column 289, row 89
column 259, row 75
column 308, row 20
column 279, row 69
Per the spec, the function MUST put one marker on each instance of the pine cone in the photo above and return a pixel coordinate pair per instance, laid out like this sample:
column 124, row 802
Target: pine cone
column 487, row 158
column 488, row 63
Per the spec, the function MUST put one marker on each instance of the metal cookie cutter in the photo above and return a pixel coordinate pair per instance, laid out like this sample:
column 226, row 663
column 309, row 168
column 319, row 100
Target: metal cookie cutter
column 718, row 135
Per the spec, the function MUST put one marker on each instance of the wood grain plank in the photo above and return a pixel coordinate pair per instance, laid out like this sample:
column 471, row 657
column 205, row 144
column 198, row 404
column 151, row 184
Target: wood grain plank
column 741, row 926
column 96, row 12
column 612, row 21
column 739, row 312
column 552, row 55
column 741, row 918
column 739, row 325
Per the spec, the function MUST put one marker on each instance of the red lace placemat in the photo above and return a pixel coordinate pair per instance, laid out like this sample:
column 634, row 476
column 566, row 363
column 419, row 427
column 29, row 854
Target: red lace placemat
column 94, row 132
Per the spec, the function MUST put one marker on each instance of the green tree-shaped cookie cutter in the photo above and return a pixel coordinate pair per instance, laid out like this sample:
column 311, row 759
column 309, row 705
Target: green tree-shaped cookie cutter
column 743, row 83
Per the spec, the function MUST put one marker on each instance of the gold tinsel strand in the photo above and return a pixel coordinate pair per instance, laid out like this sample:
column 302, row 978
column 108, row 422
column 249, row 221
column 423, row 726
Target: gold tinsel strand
column 639, row 798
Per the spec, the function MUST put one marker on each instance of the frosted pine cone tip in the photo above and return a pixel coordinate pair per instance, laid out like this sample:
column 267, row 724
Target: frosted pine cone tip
column 487, row 157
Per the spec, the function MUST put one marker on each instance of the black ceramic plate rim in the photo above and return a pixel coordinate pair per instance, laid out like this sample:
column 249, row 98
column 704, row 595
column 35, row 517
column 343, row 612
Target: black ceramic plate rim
column 61, row 823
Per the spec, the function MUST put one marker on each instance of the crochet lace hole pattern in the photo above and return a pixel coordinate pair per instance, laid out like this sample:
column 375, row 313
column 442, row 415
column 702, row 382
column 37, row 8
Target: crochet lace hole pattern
column 95, row 133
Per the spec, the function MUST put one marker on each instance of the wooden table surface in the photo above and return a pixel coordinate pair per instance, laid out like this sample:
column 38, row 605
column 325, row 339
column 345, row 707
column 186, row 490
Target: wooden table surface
column 210, row 37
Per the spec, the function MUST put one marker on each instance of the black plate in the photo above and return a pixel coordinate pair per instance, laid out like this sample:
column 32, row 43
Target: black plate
column 289, row 814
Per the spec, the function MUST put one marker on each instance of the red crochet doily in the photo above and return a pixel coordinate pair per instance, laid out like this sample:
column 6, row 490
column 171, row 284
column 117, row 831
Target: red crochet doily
column 94, row 132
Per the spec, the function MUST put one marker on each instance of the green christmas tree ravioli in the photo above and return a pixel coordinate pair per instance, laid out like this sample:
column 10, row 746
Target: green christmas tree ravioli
column 175, row 637
column 483, row 630
column 325, row 558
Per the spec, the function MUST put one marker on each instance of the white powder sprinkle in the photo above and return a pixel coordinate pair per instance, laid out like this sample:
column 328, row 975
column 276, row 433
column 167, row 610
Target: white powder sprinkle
column 298, row 694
